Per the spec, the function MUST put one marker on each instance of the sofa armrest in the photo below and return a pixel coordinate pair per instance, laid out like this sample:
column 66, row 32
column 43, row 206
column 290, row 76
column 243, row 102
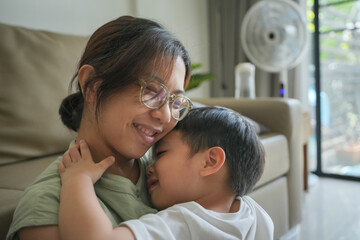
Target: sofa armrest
column 280, row 115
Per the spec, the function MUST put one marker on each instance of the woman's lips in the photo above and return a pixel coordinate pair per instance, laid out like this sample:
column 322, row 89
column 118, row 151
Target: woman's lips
column 147, row 133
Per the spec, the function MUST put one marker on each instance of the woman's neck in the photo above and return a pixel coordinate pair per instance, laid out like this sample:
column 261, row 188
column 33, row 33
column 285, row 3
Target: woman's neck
column 128, row 168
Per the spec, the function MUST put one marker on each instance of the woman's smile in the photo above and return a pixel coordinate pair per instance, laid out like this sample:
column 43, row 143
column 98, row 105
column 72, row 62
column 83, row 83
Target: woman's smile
column 147, row 133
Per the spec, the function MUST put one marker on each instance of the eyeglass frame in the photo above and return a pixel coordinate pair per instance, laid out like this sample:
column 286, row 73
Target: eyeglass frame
column 170, row 97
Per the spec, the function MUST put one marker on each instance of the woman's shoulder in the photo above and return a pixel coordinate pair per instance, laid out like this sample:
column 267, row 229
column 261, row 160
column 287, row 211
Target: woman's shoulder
column 50, row 174
column 40, row 202
column 43, row 191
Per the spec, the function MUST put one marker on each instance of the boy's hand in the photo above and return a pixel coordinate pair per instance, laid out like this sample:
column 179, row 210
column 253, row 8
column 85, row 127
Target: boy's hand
column 78, row 162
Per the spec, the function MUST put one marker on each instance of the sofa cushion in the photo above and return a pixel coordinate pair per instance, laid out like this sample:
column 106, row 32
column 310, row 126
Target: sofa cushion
column 279, row 212
column 30, row 169
column 8, row 200
column 259, row 128
column 35, row 72
column 277, row 157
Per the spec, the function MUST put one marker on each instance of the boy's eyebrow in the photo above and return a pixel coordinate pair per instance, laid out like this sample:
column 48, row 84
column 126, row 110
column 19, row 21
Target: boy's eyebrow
column 160, row 143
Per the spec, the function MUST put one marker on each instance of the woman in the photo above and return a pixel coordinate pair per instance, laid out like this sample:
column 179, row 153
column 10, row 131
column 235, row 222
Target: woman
column 130, row 85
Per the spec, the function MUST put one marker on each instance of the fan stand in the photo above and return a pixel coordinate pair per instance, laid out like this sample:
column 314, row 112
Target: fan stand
column 272, row 37
column 283, row 89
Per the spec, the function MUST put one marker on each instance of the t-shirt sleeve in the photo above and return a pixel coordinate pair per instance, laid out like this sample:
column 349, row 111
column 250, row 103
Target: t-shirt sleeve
column 40, row 203
column 166, row 225
column 264, row 223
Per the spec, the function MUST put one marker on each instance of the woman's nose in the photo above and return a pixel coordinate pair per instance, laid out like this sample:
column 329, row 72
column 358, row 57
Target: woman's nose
column 163, row 113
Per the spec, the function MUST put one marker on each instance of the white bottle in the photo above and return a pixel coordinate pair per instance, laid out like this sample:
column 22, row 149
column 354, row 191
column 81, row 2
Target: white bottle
column 245, row 80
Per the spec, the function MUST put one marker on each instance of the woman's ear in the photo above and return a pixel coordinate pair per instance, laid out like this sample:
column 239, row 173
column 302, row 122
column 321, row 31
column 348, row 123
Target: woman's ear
column 85, row 73
column 214, row 160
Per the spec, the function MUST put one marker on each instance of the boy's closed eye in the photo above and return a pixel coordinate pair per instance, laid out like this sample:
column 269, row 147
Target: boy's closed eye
column 159, row 153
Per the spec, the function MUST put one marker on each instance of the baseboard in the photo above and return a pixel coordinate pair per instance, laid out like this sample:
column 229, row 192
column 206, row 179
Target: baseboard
column 292, row 234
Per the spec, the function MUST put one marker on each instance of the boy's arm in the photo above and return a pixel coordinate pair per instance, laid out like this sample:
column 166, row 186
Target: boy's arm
column 80, row 214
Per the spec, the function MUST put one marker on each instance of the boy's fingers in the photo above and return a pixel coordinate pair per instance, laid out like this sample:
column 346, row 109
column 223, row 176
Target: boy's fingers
column 106, row 163
column 84, row 150
column 66, row 160
column 75, row 153
column 61, row 167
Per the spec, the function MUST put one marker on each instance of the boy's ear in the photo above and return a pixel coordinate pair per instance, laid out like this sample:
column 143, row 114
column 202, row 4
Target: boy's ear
column 84, row 74
column 214, row 160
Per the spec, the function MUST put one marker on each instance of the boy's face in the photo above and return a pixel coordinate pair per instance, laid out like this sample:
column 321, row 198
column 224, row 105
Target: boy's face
column 174, row 175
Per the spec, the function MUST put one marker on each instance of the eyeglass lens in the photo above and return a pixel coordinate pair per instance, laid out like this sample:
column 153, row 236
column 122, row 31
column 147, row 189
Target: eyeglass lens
column 154, row 95
column 180, row 107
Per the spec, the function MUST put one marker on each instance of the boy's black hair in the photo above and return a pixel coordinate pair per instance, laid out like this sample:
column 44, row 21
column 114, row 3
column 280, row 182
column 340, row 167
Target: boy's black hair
column 208, row 127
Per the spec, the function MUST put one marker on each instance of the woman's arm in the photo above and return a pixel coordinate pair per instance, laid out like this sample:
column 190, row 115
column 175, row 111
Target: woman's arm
column 80, row 214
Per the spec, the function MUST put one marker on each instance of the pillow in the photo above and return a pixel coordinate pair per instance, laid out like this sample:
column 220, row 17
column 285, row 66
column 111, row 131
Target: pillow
column 259, row 128
column 35, row 71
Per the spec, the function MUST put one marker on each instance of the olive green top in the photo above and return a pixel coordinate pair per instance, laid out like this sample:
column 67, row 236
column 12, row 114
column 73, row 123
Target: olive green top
column 118, row 196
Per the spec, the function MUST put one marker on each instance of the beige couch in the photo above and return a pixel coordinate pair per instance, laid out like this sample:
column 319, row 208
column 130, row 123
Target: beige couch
column 35, row 69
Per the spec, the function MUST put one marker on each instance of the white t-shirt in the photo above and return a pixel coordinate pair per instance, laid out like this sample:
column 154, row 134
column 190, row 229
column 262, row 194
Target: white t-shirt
column 191, row 221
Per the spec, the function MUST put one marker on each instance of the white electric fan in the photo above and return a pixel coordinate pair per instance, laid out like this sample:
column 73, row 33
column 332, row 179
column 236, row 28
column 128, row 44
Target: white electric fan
column 274, row 37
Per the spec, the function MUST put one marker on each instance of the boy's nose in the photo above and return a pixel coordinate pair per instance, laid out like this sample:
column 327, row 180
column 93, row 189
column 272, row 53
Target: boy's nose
column 150, row 170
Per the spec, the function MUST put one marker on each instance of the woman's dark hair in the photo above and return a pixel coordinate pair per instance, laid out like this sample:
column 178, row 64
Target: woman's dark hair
column 120, row 52
column 207, row 127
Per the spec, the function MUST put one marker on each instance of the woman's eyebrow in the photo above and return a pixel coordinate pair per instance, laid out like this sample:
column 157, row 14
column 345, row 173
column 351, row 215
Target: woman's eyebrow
column 158, row 78
column 179, row 91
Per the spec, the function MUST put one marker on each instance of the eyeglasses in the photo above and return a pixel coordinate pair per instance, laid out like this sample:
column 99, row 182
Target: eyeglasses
column 154, row 94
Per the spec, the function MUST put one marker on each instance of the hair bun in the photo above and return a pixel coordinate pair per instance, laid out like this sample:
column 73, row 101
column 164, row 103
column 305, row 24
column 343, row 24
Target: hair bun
column 71, row 109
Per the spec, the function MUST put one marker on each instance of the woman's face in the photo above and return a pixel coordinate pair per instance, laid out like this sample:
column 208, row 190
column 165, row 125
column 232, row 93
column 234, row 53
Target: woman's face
column 126, row 128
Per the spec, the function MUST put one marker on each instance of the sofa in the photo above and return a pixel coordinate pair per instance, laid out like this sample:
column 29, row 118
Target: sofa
column 35, row 71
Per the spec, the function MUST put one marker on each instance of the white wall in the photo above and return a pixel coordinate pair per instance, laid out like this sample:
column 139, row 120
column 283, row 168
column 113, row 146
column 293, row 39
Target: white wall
column 187, row 19
column 80, row 17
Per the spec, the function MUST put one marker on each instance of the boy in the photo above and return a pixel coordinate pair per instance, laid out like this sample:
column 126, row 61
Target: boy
column 202, row 171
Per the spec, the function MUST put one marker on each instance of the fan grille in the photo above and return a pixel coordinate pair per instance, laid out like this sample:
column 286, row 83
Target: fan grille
column 274, row 35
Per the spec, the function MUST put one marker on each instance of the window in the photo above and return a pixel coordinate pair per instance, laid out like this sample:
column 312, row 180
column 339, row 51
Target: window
column 334, row 91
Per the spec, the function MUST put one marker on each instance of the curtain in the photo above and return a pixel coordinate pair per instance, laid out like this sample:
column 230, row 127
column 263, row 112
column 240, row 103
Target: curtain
column 225, row 18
